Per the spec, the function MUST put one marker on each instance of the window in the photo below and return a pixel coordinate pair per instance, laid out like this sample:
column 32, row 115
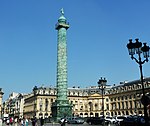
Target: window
column 96, row 106
column 86, row 107
column 90, row 106
column 107, row 100
column 122, row 105
column 81, row 108
column 46, row 104
column 135, row 106
column 40, row 104
column 107, row 106
column 126, row 105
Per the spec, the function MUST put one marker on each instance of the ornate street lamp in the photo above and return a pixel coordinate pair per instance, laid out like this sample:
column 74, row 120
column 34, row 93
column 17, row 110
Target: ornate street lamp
column 137, row 48
column 102, row 85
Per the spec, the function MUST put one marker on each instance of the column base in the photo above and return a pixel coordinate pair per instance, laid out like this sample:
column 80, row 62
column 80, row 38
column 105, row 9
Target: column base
column 61, row 109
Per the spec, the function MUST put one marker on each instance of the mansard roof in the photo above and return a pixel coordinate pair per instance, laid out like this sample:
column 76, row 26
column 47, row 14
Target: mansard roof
column 136, row 81
column 130, row 83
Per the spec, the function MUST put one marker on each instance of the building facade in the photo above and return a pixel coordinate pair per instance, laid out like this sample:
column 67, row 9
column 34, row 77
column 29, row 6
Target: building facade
column 86, row 102
column 1, row 103
column 121, row 99
column 14, row 105
column 38, row 103
column 125, row 98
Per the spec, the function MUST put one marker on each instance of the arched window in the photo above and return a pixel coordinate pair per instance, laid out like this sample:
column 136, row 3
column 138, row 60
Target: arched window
column 81, row 114
column 40, row 104
column 46, row 115
column 91, row 106
column 40, row 115
column 46, row 104
column 96, row 106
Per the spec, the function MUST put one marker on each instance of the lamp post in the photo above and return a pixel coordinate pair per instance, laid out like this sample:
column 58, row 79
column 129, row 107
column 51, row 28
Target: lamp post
column 139, row 49
column 102, row 85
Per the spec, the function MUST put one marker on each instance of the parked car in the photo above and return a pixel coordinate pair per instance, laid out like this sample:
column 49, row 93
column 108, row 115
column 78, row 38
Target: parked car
column 132, row 121
column 75, row 120
column 112, row 120
column 135, row 120
column 96, row 120
column 119, row 119
column 129, row 121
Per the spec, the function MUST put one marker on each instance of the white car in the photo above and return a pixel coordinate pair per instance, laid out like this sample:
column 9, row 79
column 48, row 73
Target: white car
column 112, row 120
column 119, row 119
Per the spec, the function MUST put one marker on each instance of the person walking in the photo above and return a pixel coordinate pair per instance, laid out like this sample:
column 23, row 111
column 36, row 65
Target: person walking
column 1, row 122
column 16, row 121
column 34, row 121
column 63, row 122
column 26, row 122
column 41, row 121
column 11, row 120
column 22, row 122
column 7, row 122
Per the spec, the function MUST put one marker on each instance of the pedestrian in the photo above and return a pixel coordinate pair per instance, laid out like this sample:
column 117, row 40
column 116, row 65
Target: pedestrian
column 26, row 122
column 7, row 122
column 11, row 120
column 1, row 122
column 34, row 121
column 22, row 122
column 16, row 121
column 41, row 121
column 63, row 122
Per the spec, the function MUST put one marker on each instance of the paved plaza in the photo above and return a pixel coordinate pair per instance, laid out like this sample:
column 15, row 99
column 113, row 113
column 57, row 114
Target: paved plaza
column 57, row 124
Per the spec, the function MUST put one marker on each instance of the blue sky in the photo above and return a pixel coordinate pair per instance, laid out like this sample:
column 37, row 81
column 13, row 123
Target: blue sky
column 97, row 37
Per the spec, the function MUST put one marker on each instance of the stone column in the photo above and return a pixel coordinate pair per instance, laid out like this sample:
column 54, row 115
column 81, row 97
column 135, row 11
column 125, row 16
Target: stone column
column 61, row 107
